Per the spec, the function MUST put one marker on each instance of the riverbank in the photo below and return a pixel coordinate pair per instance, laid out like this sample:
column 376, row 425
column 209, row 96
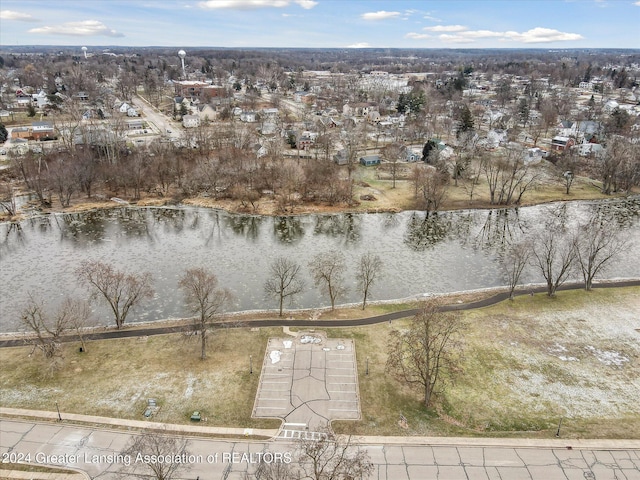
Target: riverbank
column 572, row 356
column 379, row 192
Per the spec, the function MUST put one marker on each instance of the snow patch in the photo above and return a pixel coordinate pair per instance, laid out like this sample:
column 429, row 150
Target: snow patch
column 607, row 357
column 275, row 356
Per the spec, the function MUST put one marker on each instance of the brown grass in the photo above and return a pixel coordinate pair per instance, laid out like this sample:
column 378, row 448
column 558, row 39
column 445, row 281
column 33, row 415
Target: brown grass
column 508, row 351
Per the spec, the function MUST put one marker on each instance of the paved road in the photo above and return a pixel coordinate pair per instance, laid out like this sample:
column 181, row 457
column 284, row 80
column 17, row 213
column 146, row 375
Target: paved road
column 94, row 450
column 280, row 322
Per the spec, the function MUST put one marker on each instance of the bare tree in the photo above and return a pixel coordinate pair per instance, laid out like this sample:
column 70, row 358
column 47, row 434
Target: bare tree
column 424, row 353
column 329, row 457
column 161, row 456
column 595, row 245
column 392, row 153
column 205, row 300
column 554, row 255
column 515, row 261
column 121, row 291
column 46, row 332
column 327, row 270
column 76, row 314
column 367, row 273
column 332, row 457
column 285, row 280
column 8, row 200
column 434, row 191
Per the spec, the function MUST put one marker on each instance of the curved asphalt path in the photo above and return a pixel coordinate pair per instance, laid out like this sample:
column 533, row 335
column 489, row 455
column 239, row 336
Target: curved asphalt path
column 358, row 322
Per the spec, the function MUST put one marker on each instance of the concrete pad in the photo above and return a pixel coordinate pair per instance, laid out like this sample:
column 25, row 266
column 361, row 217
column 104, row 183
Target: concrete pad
column 41, row 433
column 9, row 439
column 604, row 457
column 623, row 459
column 492, row 473
column 422, row 471
column 418, row 456
column 376, row 454
column 630, row 474
column 575, row 474
column 515, row 473
column 532, row 456
column 451, row 473
column 476, row 473
column 398, row 472
column 311, row 384
column 546, row 471
column 394, row 455
column 602, row 472
column 471, row 456
column 446, row 456
column 501, row 457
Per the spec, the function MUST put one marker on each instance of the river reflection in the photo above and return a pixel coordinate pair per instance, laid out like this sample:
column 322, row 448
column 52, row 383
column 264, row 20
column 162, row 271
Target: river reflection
column 442, row 252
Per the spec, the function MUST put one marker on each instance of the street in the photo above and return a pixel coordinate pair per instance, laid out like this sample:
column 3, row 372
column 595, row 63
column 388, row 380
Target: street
column 96, row 451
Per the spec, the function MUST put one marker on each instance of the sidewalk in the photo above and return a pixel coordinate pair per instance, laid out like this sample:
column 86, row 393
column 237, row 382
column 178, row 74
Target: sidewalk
column 255, row 434
column 17, row 474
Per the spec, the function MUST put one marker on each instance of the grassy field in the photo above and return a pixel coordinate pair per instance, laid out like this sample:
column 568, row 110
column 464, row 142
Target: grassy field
column 526, row 365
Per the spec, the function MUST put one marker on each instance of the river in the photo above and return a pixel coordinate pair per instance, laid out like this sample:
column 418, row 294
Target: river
column 444, row 252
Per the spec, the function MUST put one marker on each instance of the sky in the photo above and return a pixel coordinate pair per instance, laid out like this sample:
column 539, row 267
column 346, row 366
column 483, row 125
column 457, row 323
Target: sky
column 548, row 24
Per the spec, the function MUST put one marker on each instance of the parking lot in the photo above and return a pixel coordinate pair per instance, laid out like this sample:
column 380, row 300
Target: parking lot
column 308, row 381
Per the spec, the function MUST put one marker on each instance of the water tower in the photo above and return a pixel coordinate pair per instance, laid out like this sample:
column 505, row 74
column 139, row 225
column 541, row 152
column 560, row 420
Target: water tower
column 84, row 50
column 182, row 54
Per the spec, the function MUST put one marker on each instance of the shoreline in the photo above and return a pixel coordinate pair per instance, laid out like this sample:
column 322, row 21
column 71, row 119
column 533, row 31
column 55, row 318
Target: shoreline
column 312, row 210
column 488, row 296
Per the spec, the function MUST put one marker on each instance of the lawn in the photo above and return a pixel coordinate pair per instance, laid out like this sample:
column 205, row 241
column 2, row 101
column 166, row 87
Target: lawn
column 525, row 365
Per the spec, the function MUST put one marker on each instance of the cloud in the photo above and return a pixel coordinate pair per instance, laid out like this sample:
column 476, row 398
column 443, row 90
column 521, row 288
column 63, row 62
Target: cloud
column 637, row 4
column 445, row 37
column 446, row 28
column 417, row 36
column 306, row 4
column 84, row 28
column 381, row 15
column 460, row 34
column 543, row 35
column 359, row 45
column 12, row 15
column 252, row 4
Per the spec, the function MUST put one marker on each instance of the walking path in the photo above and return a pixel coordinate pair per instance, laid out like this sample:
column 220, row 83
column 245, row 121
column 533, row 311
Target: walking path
column 310, row 323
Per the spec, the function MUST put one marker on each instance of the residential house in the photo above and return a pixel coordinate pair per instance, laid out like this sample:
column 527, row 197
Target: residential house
column 370, row 160
column 525, row 138
column 304, row 97
column 197, row 90
column 260, row 150
column 306, row 140
column 560, row 144
column 42, row 131
column 589, row 150
column 40, row 99
column 190, row 121
column 249, row 117
column 124, row 107
column 341, row 157
column 533, row 155
column 20, row 132
column 412, row 155
column 132, row 112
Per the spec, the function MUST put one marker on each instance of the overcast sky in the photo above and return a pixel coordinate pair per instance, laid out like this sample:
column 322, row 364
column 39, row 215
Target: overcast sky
column 323, row 23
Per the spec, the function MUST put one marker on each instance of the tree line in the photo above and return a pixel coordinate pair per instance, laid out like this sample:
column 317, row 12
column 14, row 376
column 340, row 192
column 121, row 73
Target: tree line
column 205, row 299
